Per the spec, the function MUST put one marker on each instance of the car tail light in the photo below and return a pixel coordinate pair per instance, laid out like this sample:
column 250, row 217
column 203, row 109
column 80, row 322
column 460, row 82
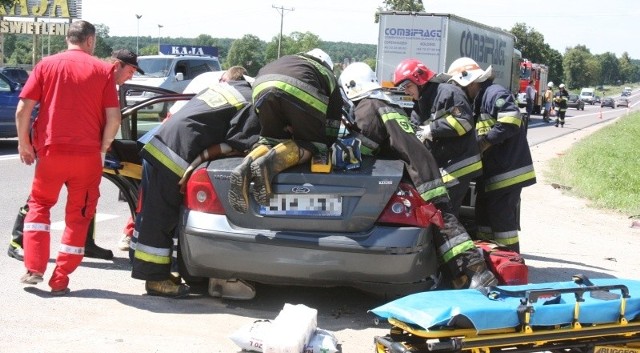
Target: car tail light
column 407, row 208
column 201, row 195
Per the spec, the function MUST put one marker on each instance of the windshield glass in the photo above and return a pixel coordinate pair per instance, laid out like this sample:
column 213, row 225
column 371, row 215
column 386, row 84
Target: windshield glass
column 587, row 94
column 154, row 67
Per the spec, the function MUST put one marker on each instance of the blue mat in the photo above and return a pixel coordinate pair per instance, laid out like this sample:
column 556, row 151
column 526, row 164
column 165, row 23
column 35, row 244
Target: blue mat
column 434, row 309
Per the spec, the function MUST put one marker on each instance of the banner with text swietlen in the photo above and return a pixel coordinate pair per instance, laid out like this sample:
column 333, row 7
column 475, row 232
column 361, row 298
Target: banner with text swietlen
column 50, row 17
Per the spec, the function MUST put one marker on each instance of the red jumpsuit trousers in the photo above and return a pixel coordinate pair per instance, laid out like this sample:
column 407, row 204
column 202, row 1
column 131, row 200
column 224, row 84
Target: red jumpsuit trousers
column 81, row 174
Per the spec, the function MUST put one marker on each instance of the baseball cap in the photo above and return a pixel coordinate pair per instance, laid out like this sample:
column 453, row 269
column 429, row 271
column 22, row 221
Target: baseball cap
column 128, row 58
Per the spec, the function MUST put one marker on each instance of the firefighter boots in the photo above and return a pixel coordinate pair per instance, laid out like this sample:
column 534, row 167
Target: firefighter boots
column 91, row 249
column 282, row 156
column 167, row 288
column 15, row 246
column 476, row 269
column 468, row 269
column 241, row 178
column 15, row 251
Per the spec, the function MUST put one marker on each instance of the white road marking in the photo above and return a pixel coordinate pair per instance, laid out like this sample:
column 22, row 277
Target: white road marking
column 99, row 218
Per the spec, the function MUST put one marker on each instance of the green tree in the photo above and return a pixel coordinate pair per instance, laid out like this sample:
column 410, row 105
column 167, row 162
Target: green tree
column 530, row 42
column 400, row 5
column 21, row 53
column 103, row 49
column 628, row 71
column 294, row 43
column 205, row 40
column 151, row 49
column 554, row 61
column 247, row 52
column 576, row 67
column 609, row 68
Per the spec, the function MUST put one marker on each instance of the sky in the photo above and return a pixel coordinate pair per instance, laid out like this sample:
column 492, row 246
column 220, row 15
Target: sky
column 602, row 26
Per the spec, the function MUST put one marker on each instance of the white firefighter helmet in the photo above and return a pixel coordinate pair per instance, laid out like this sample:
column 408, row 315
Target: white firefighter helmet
column 320, row 54
column 550, row 84
column 465, row 70
column 561, row 85
column 358, row 81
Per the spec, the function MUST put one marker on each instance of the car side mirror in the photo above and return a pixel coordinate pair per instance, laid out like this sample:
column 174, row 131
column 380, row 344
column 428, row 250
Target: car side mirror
column 179, row 76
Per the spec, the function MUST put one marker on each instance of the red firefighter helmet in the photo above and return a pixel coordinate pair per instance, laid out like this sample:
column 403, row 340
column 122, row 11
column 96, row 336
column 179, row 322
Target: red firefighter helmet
column 412, row 70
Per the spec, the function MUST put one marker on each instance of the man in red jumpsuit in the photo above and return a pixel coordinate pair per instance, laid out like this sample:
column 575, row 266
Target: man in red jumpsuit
column 78, row 118
column 125, row 63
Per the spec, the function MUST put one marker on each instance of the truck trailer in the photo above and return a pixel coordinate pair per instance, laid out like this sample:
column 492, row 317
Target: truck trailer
column 439, row 39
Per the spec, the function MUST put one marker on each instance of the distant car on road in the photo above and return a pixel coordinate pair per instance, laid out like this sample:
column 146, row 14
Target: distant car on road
column 608, row 102
column 9, row 91
column 574, row 101
column 622, row 102
column 597, row 99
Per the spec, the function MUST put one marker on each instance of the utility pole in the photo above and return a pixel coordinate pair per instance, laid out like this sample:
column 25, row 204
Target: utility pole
column 281, row 11
column 159, row 26
column 138, row 33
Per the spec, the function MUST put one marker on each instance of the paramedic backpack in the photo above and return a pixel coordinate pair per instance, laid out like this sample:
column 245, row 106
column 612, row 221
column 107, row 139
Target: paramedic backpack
column 507, row 265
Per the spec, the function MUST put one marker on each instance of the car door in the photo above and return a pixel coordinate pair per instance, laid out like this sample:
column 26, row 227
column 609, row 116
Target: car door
column 8, row 102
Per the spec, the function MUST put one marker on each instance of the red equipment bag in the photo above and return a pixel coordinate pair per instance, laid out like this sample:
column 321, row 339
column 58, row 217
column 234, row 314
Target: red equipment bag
column 507, row 265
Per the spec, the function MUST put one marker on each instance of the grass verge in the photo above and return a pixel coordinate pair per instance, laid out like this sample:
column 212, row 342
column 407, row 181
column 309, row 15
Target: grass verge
column 605, row 167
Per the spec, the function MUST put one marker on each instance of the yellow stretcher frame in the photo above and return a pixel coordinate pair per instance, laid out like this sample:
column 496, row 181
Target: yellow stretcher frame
column 405, row 338
column 128, row 169
column 622, row 336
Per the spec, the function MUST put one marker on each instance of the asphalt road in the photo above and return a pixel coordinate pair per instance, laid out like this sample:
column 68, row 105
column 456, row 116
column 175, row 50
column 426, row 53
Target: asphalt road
column 107, row 310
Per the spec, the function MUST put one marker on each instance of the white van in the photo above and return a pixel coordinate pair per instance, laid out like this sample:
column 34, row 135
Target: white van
column 588, row 95
column 172, row 72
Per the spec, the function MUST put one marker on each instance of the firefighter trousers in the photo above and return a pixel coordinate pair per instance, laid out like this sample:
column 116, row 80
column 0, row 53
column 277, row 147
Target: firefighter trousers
column 81, row 174
column 160, row 201
column 457, row 194
column 497, row 215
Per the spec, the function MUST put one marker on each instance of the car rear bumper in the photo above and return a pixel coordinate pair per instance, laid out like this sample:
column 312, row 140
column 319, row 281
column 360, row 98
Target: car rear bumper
column 399, row 257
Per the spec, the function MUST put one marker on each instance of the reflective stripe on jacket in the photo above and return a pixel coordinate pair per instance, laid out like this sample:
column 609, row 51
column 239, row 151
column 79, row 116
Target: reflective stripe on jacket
column 389, row 126
column 507, row 163
column 307, row 81
column 205, row 120
column 449, row 114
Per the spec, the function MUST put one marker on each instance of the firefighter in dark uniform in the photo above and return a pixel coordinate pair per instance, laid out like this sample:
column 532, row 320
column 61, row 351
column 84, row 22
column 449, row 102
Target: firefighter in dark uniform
column 506, row 158
column 299, row 105
column 445, row 124
column 560, row 100
column 217, row 121
column 387, row 124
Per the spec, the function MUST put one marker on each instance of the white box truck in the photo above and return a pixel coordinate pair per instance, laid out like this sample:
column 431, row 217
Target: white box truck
column 439, row 39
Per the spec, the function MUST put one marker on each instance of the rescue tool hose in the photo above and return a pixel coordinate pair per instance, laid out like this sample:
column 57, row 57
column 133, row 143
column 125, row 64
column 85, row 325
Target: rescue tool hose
column 210, row 153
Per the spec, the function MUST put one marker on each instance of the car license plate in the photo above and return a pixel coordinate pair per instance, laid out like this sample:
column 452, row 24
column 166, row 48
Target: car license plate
column 303, row 205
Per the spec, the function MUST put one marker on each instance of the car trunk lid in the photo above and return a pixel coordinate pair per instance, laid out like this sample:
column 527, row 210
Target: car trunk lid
column 340, row 201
